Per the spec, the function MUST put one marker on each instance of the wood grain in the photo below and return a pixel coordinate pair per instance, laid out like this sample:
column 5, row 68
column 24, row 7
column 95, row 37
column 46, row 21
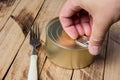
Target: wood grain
column 20, row 67
column 114, row 32
column 94, row 71
column 41, row 57
column 6, row 9
column 53, row 72
column 112, row 68
column 26, row 12
column 11, row 38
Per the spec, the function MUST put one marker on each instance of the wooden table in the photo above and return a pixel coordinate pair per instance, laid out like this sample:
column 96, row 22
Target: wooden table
column 16, row 17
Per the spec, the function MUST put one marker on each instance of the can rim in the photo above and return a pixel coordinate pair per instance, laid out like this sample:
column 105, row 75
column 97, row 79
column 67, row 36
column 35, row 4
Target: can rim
column 47, row 28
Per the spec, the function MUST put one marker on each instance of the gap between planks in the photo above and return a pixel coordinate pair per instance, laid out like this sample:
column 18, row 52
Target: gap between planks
column 8, row 11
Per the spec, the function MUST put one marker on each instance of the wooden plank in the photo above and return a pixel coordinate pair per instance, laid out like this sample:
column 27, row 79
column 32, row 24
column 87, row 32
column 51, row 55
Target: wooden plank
column 50, row 10
column 94, row 71
column 41, row 57
column 115, row 31
column 11, row 38
column 112, row 68
column 26, row 12
column 53, row 72
column 6, row 9
column 20, row 67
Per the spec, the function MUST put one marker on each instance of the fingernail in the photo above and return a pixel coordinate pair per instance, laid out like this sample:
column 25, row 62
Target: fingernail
column 95, row 50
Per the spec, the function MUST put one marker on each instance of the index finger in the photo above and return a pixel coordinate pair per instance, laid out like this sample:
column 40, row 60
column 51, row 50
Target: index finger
column 68, row 10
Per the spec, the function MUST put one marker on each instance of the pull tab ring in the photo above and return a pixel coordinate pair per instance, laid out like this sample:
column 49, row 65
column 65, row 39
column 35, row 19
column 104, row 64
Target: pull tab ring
column 82, row 41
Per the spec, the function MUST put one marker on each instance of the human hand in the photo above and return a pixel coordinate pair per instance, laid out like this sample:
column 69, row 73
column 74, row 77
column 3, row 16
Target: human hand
column 91, row 18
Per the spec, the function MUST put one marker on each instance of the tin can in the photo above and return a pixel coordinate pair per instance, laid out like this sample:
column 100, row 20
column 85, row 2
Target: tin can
column 62, row 50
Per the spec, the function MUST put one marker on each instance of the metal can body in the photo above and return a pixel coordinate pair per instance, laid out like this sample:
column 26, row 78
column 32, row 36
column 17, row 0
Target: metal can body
column 65, row 57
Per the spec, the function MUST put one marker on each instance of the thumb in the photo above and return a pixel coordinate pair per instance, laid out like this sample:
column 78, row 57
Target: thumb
column 99, row 30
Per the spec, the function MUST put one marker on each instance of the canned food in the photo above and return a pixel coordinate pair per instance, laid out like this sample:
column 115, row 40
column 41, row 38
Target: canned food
column 64, row 51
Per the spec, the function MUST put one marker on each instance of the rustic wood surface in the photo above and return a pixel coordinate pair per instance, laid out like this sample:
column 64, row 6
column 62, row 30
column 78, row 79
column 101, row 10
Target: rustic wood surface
column 16, row 18
column 6, row 9
column 112, row 69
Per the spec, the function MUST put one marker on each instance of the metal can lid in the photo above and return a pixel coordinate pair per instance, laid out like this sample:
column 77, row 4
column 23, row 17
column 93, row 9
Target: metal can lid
column 61, row 38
